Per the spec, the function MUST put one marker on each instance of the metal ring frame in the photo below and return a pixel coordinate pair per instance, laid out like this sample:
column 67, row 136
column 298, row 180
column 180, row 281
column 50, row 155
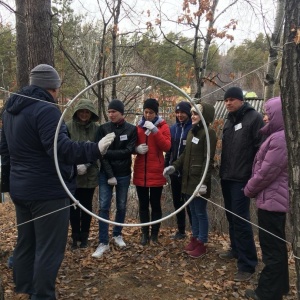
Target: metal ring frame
column 131, row 224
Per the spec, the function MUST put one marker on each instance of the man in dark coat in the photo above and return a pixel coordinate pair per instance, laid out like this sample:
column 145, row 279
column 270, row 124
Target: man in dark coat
column 29, row 124
column 240, row 143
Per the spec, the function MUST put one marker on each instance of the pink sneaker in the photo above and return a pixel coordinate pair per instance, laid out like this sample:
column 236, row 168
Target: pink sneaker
column 191, row 245
column 199, row 251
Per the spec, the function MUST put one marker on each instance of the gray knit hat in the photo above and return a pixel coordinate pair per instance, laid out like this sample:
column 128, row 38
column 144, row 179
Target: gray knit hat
column 45, row 77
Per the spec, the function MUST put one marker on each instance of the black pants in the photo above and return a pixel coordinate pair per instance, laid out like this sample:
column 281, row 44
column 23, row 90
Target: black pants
column 40, row 246
column 240, row 231
column 274, row 279
column 149, row 195
column 80, row 220
column 178, row 201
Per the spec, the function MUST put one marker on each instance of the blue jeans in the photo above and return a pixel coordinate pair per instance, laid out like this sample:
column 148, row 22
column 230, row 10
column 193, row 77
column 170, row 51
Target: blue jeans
column 240, row 231
column 199, row 218
column 105, row 197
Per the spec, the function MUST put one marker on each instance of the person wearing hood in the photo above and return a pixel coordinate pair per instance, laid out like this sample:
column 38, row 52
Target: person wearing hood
column 240, row 142
column 42, row 205
column 153, row 140
column 179, row 132
column 191, row 164
column 83, row 127
column 269, row 186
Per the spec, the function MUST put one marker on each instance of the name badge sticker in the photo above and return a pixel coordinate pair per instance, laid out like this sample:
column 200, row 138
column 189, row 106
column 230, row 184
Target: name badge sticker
column 195, row 140
column 238, row 126
column 123, row 137
column 184, row 142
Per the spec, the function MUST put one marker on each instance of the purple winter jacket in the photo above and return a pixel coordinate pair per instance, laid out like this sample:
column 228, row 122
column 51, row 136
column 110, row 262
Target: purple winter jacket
column 269, row 180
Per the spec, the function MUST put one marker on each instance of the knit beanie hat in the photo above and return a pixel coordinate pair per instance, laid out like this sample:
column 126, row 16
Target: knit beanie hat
column 45, row 77
column 199, row 106
column 116, row 105
column 185, row 107
column 151, row 104
column 234, row 92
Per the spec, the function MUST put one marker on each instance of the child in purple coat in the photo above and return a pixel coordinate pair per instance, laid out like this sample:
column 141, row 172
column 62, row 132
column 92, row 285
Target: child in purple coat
column 269, row 186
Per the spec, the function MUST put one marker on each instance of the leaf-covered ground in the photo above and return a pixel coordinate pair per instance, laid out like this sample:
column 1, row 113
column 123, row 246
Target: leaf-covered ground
column 152, row 272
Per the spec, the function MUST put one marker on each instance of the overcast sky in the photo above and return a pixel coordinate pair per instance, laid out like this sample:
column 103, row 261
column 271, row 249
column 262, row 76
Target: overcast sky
column 250, row 22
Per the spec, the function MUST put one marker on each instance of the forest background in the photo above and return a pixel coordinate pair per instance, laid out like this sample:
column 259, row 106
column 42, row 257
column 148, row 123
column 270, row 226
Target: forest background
column 186, row 48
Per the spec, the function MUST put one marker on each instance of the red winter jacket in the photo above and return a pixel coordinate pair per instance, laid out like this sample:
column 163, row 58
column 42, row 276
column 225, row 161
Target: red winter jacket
column 148, row 168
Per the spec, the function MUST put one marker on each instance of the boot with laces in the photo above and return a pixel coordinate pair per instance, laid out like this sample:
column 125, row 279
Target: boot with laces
column 191, row 245
column 199, row 251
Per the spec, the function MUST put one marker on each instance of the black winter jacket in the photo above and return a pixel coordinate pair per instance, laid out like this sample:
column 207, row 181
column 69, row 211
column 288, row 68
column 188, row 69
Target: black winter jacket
column 240, row 142
column 28, row 131
column 117, row 160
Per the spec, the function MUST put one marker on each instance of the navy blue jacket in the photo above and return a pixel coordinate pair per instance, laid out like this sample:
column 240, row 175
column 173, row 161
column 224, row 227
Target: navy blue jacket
column 179, row 133
column 28, row 134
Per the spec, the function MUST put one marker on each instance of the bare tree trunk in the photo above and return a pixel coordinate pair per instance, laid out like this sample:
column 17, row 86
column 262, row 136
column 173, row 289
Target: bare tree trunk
column 39, row 32
column 290, row 91
column 208, row 40
column 116, row 13
column 273, row 52
column 21, row 46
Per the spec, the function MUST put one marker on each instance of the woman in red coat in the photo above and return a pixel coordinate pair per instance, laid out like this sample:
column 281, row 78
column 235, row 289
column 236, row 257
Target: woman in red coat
column 154, row 138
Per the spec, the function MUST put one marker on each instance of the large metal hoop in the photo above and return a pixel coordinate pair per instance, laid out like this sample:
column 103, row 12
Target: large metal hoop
column 131, row 224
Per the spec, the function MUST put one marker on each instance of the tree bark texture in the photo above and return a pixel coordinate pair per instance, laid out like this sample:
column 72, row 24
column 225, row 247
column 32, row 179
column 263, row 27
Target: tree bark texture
column 290, row 92
column 39, row 32
column 21, row 45
column 273, row 52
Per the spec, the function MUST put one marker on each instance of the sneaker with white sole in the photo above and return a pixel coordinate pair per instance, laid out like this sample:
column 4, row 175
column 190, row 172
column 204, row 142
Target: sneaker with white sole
column 118, row 240
column 100, row 250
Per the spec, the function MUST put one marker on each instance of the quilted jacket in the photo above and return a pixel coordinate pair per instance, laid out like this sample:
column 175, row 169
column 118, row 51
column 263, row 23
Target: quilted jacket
column 269, row 181
column 148, row 168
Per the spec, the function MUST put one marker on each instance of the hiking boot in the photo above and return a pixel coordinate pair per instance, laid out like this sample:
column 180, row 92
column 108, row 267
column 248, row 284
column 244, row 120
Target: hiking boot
column 228, row 255
column 100, row 250
column 178, row 236
column 118, row 240
column 84, row 240
column 199, row 251
column 191, row 245
column 75, row 239
column 154, row 238
column 242, row 276
column 144, row 239
column 250, row 294
column 10, row 262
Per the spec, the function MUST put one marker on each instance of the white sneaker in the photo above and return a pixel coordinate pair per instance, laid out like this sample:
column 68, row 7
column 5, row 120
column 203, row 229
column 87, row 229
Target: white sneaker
column 100, row 250
column 119, row 241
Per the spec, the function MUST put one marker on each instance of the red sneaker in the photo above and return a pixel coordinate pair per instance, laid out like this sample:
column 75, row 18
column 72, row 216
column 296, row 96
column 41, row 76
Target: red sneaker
column 199, row 251
column 191, row 245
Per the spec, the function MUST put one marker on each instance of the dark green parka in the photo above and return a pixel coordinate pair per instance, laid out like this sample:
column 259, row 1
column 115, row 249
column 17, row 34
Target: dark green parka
column 191, row 162
column 85, row 132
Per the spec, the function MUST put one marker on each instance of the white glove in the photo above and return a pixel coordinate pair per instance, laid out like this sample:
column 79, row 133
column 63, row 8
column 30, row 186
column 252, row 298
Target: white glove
column 202, row 190
column 168, row 171
column 105, row 142
column 141, row 149
column 112, row 181
column 149, row 125
column 81, row 169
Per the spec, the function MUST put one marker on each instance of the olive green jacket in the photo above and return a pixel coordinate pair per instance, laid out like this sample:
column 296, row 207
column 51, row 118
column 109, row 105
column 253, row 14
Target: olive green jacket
column 191, row 163
column 85, row 132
